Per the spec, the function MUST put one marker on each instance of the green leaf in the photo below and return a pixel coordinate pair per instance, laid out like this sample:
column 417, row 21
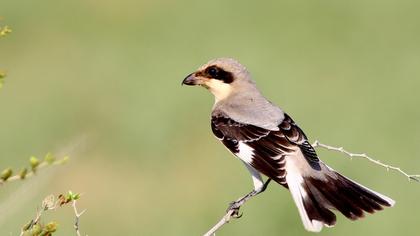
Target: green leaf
column 6, row 173
column 49, row 158
column 72, row 196
column 36, row 229
column 34, row 162
column 23, row 173
column 76, row 196
column 2, row 75
column 51, row 227
column 5, row 31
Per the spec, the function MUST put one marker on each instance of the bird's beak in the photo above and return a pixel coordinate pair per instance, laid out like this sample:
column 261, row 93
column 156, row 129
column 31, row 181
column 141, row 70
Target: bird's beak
column 190, row 80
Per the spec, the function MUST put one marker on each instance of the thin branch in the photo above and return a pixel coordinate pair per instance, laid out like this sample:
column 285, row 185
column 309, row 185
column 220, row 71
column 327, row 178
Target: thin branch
column 77, row 214
column 32, row 222
column 232, row 214
column 365, row 156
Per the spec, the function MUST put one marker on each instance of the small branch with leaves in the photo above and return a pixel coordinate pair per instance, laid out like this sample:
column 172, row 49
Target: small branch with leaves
column 4, row 30
column 234, row 213
column 72, row 198
column 7, row 175
column 36, row 228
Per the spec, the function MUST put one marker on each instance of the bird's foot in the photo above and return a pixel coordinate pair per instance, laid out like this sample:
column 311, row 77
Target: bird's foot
column 236, row 205
column 234, row 208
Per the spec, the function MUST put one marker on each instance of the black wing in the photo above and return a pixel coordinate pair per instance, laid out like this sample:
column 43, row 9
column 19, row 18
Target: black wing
column 296, row 136
column 270, row 147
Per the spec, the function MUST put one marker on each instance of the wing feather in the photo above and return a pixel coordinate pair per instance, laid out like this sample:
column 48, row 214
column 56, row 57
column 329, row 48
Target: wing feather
column 270, row 147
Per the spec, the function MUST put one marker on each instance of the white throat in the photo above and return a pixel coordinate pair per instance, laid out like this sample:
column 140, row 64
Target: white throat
column 219, row 89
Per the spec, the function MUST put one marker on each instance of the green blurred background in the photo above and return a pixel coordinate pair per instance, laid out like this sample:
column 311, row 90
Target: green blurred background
column 100, row 81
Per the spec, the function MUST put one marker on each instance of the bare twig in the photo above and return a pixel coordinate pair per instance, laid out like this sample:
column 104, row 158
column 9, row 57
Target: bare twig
column 232, row 214
column 225, row 219
column 363, row 155
column 77, row 214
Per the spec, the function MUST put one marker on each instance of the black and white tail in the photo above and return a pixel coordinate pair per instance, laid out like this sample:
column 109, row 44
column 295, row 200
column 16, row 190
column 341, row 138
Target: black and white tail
column 316, row 196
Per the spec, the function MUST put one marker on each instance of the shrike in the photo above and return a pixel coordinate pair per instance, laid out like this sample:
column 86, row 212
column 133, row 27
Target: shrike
column 269, row 142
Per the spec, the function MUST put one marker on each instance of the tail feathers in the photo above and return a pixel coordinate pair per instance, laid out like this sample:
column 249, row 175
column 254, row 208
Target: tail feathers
column 316, row 197
column 304, row 204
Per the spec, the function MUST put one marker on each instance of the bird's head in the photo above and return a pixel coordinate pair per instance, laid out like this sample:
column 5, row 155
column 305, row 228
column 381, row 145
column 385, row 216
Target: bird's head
column 222, row 77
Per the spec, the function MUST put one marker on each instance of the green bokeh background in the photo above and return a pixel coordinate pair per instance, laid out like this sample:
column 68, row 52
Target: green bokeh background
column 100, row 81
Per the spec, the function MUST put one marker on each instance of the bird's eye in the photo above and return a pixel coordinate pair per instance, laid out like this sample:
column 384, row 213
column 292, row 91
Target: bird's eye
column 212, row 72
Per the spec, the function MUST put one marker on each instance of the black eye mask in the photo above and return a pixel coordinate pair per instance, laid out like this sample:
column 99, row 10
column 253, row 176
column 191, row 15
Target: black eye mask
column 214, row 72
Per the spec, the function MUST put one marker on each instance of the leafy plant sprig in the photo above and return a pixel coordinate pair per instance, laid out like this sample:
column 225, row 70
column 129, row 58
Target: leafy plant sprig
column 35, row 227
column 35, row 164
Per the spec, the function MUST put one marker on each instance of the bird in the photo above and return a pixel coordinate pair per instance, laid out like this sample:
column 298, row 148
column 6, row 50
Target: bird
column 266, row 139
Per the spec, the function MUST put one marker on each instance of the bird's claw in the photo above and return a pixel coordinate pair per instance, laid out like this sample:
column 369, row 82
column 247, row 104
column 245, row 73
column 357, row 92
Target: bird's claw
column 236, row 214
column 234, row 209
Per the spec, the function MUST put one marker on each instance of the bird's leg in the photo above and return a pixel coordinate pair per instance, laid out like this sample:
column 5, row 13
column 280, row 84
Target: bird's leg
column 235, row 205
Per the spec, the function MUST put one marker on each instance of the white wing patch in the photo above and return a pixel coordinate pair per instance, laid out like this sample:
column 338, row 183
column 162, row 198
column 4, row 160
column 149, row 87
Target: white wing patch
column 246, row 153
column 294, row 180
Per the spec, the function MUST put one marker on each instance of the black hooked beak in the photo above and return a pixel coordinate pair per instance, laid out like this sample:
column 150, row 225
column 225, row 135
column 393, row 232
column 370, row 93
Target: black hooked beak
column 190, row 80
